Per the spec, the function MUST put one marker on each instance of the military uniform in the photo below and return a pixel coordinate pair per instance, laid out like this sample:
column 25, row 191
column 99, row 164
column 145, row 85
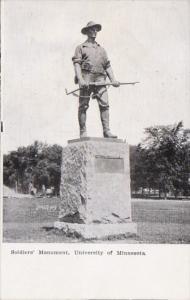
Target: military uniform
column 93, row 61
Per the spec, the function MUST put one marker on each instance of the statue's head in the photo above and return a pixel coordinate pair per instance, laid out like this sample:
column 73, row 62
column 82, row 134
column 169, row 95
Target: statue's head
column 91, row 29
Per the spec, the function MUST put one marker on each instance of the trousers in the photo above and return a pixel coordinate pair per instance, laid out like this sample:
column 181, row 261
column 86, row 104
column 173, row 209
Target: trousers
column 98, row 92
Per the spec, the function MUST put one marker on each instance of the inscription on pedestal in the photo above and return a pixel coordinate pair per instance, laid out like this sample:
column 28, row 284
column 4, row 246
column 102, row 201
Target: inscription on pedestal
column 108, row 164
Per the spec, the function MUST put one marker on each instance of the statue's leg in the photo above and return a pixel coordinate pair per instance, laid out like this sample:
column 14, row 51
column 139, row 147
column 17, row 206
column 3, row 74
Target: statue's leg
column 83, row 106
column 102, row 98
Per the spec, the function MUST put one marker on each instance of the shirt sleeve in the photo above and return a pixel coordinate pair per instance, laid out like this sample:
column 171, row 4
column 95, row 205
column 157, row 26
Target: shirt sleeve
column 106, row 61
column 77, row 58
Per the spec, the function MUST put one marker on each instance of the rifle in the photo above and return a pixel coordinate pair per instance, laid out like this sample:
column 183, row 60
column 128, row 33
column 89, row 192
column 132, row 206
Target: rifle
column 91, row 84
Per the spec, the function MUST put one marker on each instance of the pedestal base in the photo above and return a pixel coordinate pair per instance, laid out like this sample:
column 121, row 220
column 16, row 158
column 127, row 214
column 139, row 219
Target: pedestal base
column 95, row 190
column 97, row 231
column 95, row 182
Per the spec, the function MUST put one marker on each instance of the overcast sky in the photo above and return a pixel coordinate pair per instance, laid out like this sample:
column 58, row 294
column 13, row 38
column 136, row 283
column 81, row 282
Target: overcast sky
column 146, row 41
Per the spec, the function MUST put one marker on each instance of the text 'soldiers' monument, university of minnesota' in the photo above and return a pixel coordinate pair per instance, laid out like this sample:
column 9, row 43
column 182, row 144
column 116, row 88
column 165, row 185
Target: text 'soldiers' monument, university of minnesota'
column 95, row 174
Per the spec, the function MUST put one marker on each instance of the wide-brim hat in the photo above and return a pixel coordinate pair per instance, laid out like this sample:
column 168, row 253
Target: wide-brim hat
column 89, row 25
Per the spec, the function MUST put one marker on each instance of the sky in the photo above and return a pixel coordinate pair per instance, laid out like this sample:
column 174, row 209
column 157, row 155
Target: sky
column 146, row 41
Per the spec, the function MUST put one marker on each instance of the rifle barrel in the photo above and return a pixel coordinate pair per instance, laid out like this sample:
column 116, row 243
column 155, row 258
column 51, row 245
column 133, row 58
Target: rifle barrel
column 122, row 83
column 110, row 83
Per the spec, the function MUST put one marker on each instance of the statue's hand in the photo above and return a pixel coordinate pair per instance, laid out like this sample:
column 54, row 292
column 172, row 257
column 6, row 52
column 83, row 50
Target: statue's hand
column 115, row 83
column 83, row 84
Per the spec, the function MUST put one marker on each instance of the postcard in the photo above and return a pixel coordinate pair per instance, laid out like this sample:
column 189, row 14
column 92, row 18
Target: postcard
column 95, row 141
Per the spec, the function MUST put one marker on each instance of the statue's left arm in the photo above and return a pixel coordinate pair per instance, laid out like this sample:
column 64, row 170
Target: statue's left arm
column 111, row 77
column 109, row 70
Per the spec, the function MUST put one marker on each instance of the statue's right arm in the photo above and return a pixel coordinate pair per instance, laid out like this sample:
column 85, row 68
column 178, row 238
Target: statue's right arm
column 77, row 61
column 78, row 74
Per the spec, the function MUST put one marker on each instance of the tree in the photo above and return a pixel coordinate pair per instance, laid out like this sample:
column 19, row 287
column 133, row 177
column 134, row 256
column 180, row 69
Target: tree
column 38, row 163
column 163, row 161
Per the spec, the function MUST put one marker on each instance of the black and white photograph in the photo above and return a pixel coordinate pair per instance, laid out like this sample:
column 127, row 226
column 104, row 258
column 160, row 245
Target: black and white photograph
column 95, row 127
column 96, row 134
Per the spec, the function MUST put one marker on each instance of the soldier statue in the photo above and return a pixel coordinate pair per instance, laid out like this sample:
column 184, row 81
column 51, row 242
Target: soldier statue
column 92, row 65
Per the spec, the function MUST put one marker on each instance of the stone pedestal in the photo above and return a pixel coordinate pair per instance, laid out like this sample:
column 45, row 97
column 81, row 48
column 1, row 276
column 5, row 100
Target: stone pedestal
column 95, row 188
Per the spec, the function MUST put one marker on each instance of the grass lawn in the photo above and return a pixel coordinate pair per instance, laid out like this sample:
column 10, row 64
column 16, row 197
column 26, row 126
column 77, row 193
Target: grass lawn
column 162, row 221
column 158, row 221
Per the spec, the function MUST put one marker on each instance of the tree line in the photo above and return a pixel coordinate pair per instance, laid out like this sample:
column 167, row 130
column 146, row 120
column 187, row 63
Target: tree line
column 160, row 163
column 39, row 164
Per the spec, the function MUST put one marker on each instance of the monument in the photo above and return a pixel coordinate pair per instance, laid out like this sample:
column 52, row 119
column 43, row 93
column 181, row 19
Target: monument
column 95, row 173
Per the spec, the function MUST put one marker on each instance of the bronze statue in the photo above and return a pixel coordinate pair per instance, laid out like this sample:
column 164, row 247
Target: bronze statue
column 92, row 65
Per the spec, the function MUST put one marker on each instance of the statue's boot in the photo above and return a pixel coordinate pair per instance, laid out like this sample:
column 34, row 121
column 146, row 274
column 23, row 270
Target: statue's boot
column 82, row 123
column 104, row 114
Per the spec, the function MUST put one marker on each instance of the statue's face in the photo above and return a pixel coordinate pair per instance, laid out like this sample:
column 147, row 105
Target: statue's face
column 92, row 32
